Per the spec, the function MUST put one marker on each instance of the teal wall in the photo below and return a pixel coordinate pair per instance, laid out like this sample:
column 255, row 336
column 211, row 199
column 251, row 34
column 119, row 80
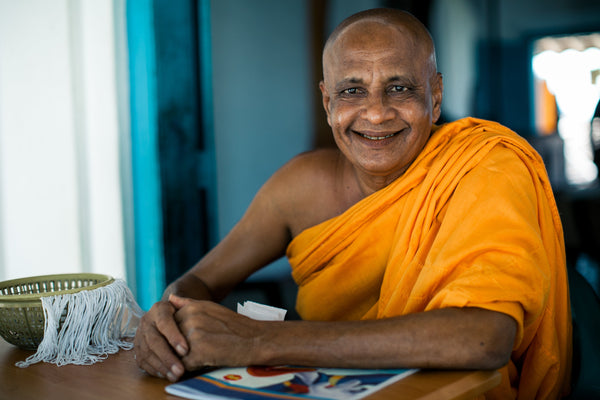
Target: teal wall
column 262, row 94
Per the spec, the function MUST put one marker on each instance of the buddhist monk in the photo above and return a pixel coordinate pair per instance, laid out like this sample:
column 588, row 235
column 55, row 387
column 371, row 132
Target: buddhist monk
column 414, row 245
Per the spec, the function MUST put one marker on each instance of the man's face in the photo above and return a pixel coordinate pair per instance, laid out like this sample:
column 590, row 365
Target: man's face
column 379, row 99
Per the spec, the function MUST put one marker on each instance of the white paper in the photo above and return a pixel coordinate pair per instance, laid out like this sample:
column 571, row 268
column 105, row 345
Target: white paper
column 261, row 312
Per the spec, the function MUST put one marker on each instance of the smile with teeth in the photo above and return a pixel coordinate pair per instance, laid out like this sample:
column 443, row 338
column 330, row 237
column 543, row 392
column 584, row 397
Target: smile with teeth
column 377, row 137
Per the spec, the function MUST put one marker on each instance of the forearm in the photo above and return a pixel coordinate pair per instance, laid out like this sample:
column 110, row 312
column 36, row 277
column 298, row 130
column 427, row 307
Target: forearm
column 449, row 338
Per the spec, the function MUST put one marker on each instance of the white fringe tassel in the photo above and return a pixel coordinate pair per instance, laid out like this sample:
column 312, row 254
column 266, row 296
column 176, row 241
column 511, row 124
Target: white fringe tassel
column 96, row 322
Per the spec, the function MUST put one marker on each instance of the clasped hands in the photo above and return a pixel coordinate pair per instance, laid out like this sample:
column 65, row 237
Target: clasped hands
column 184, row 334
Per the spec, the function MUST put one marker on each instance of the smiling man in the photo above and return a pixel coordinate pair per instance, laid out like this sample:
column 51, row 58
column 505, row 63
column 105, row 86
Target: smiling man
column 381, row 93
column 413, row 245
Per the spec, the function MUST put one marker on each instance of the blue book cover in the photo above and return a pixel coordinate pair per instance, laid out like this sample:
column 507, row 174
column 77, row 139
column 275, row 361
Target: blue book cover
column 286, row 382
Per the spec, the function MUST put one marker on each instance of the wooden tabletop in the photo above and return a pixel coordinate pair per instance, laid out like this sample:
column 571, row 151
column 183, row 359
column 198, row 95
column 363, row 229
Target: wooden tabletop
column 118, row 377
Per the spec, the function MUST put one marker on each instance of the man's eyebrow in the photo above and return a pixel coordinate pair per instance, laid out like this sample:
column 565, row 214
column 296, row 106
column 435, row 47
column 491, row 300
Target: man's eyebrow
column 349, row 81
column 360, row 81
column 401, row 78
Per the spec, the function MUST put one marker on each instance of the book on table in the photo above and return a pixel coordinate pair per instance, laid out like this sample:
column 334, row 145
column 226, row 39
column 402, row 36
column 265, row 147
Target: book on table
column 286, row 382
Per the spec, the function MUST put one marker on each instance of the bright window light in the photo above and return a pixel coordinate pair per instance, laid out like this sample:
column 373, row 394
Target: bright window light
column 568, row 67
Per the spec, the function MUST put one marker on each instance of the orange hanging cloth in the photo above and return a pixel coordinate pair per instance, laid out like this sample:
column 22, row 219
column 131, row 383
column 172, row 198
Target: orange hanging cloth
column 471, row 223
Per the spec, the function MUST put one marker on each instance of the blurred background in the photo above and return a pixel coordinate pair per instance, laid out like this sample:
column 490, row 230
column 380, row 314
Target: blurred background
column 134, row 134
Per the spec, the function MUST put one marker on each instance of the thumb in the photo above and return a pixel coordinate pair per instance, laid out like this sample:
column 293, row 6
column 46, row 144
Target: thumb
column 178, row 302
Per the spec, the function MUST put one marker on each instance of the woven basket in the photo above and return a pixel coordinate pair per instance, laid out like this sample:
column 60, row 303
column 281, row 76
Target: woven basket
column 21, row 312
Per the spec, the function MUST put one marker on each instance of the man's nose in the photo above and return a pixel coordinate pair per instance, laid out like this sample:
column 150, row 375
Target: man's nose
column 377, row 110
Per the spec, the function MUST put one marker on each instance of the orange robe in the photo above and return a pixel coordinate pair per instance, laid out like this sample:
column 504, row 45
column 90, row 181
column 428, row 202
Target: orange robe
column 471, row 223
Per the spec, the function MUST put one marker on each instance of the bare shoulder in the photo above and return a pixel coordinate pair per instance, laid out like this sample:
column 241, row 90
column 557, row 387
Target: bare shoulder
column 307, row 188
column 307, row 173
column 316, row 164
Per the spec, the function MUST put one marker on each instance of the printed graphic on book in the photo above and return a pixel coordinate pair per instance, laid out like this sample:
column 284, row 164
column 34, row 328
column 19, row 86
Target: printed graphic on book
column 287, row 382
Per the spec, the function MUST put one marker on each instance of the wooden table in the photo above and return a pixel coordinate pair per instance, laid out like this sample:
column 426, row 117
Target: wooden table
column 118, row 377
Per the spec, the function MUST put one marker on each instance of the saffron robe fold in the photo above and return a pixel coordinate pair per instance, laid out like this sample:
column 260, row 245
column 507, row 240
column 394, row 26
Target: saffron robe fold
column 471, row 223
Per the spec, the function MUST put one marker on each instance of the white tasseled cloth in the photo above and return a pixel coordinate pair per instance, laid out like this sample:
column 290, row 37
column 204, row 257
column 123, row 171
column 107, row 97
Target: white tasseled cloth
column 95, row 325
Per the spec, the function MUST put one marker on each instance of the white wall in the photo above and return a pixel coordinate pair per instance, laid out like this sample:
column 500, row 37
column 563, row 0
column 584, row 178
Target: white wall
column 60, row 194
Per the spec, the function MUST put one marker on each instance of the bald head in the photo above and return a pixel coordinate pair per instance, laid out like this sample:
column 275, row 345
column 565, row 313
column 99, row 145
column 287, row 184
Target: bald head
column 364, row 23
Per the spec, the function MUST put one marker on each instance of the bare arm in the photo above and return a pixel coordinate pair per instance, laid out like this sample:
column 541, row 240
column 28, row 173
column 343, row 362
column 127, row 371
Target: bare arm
column 448, row 338
column 468, row 338
column 259, row 238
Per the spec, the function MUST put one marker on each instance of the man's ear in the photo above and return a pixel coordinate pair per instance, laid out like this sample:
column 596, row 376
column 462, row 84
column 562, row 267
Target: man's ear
column 326, row 100
column 437, row 93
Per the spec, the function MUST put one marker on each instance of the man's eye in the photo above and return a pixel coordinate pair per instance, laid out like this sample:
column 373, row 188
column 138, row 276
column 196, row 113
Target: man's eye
column 398, row 89
column 351, row 91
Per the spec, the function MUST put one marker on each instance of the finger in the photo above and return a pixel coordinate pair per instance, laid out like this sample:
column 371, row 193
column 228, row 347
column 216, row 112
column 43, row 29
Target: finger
column 167, row 327
column 173, row 335
column 146, row 359
column 152, row 366
column 156, row 357
column 178, row 302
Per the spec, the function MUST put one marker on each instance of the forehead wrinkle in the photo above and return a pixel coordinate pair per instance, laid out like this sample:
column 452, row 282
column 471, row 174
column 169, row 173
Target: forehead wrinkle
column 371, row 39
column 384, row 69
column 399, row 69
